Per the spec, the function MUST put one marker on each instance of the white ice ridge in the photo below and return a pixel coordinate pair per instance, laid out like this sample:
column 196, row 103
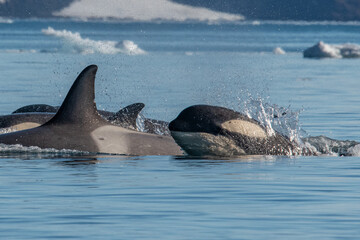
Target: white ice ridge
column 323, row 50
column 73, row 42
column 142, row 10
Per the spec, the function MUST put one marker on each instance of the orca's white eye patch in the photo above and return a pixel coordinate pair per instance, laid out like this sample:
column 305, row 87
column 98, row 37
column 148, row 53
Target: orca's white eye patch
column 245, row 128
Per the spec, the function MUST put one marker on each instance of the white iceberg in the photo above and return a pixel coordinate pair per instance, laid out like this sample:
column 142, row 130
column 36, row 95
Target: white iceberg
column 142, row 10
column 323, row 50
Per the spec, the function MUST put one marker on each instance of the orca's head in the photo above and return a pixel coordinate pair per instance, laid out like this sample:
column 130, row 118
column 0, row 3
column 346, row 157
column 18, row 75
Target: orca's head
column 213, row 130
column 203, row 118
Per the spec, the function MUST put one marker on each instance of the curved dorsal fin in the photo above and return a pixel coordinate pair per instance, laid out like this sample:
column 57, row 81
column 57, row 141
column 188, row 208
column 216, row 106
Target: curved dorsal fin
column 79, row 105
column 132, row 110
column 127, row 116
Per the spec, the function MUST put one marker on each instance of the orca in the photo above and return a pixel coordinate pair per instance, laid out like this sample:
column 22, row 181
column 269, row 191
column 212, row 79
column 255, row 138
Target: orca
column 78, row 125
column 22, row 121
column 36, row 108
column 204, row 130
column 44, row 108
column 23, row 118
column 126, row 117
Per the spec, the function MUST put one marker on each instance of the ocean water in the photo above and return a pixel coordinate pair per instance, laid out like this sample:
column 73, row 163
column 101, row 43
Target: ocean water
column 169, row 66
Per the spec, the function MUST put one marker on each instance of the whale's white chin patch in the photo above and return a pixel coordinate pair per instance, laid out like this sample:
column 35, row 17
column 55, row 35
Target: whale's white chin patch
column 244, row 128
column 205, row 144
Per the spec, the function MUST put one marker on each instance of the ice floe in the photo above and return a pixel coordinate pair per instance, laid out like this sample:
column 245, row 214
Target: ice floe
column 73, row 42
column 323, row 50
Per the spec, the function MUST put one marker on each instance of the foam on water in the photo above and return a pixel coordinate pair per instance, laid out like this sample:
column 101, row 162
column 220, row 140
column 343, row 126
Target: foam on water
column 74, row 43
column 4, row 148
column 286, row 122
column 355, row 150
column 322, row 145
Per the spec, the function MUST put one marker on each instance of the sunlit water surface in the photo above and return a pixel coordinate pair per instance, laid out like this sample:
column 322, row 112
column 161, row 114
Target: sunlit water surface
column 46, row 195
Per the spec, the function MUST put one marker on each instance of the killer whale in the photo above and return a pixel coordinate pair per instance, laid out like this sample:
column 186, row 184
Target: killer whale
column 203, row 130
column 44, row 108
column 78, row 125
column 34, row 115
column 126, row 117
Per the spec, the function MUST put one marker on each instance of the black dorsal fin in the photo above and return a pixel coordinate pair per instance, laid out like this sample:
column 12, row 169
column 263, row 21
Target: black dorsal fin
column 132, row 110
column 79, row 105
column 127, row 116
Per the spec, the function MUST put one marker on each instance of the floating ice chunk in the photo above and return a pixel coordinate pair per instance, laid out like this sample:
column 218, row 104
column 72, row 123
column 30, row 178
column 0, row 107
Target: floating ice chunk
column 73, row 42
column 129, row 47
column 323, row 50
column 279, row 51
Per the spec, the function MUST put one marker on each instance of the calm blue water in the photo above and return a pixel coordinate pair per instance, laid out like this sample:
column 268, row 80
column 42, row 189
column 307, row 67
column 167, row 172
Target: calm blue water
column 46, row 195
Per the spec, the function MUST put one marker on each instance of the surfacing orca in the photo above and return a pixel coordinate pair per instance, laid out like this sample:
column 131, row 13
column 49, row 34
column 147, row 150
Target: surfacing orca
column 204, row 130
column 126, row 117
column 23, row 118
column 36, row 108
column 77, row 125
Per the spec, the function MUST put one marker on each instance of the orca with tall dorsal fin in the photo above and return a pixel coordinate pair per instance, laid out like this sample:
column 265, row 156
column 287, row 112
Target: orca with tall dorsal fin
column 77, row 125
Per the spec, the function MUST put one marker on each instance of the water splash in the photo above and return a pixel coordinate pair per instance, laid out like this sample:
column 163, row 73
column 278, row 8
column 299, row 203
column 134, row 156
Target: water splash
column 274, row 118
column 322, row 145
column 7, row 130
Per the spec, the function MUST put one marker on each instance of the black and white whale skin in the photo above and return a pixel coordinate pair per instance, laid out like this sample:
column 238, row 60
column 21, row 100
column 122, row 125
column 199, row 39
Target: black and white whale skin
column 204, row 130
column 44, row 108
column 77, row 125
column 37, row 114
